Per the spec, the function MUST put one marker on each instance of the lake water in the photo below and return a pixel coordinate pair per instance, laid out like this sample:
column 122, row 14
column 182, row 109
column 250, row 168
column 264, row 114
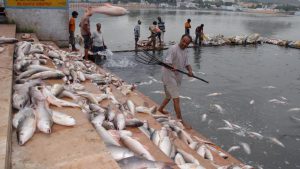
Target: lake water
column 256, row 74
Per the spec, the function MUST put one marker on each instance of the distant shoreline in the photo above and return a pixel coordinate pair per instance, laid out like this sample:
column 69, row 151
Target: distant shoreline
column 137, row 6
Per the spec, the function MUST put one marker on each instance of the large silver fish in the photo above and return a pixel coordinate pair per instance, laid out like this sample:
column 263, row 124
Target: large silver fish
column 62, row 119
column 136, row 147
column 119, row 153
column 141, row 163
column 119, row 121
column 142, row 109
column 7, row 40
column 106, row 137
column 26, row 127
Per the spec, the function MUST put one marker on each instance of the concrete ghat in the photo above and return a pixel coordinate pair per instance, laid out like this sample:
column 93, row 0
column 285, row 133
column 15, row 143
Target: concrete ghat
column 77, row 147
column 81, row 147
column 6, row 65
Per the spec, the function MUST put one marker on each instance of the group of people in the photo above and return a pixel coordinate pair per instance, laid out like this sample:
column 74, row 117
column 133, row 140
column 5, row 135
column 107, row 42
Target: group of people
column 157, row 30
column 198, row 31
column 177, row 56
column 92, row 41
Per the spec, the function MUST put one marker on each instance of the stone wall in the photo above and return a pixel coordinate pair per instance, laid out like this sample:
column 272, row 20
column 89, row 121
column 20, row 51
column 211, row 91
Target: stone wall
column 48, row 24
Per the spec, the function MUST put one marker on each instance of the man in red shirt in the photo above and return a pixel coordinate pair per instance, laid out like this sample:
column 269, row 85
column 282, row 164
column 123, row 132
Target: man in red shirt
column 72, row 30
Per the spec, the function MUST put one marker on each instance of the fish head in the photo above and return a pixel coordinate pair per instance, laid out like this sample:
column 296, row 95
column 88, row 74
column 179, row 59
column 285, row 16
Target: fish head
column 45, row 126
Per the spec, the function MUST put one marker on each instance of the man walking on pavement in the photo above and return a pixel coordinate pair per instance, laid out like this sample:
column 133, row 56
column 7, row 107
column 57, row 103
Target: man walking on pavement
column 178, row 59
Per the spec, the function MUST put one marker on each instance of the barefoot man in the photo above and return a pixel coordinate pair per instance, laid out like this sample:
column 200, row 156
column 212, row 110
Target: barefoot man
column 178, row 59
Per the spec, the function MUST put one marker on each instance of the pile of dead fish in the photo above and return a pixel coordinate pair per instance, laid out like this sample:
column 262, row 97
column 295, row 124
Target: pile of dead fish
column 33, row 95
column 255, row 38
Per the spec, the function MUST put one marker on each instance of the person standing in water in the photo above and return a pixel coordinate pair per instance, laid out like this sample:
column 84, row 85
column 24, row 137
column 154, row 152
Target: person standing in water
column 187, row 26
column 178, row 59
column 137, row 32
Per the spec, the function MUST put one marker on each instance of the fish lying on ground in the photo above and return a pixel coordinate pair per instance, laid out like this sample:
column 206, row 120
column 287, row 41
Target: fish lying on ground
column 7, row 40
column 1, row 49
column 136, row 147
column 139, row 163
column 119, row 153
column 110, row 10
column 63, row 119
column 26, row 127
column 143, row 109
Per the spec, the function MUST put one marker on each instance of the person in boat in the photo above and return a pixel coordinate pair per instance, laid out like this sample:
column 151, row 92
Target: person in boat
column 98, row 44
column 177, row 58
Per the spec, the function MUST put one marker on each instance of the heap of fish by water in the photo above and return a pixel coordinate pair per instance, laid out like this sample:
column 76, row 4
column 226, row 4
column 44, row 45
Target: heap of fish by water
column 255, row 38
column 33, row 94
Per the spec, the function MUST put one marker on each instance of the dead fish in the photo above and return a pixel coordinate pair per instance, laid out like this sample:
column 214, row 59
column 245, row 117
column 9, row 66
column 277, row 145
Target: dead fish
column 190, row 166
column 62, row 119
column 133, row 123
column 188, row 157
column 7, row 40
column 131, row 106
column 119, row 153
column 269, row 87
column 142, row 109
column 108, row 125
column 246, row 147
column 276, row 141
column 119, row 121
column 20, row 115
column 26, row 127
column 44, row 119
column 56, row 89
column 56, row 101
column 203, row 118
column 185, row 137
column 255, row 135
column 179, row 159
column 233, row 148
column 295, row 119
column 136, row 147
column 277, row 101
column 104, row 134
column 216, row 108
column 165, row 146
column 140, row 163
column 98, row 119
column 110, row 10
column 294, row 109
column 88, row 96
column 1, row 49
column 214, row 94
column 47, row 75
